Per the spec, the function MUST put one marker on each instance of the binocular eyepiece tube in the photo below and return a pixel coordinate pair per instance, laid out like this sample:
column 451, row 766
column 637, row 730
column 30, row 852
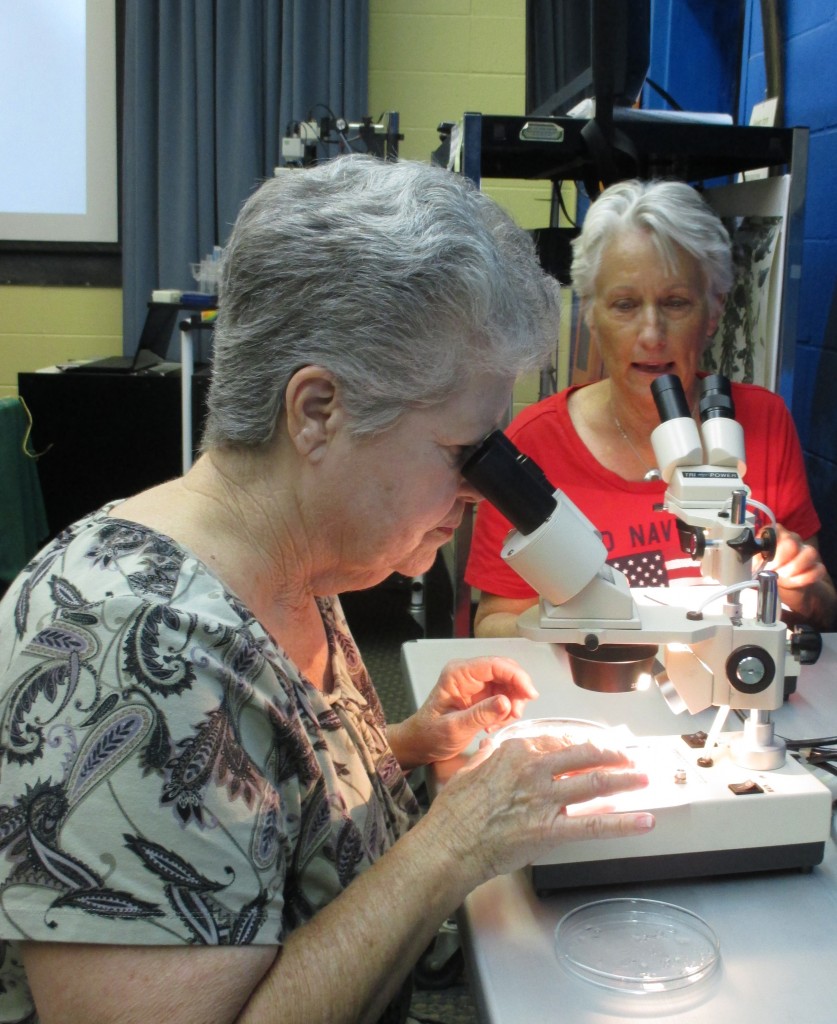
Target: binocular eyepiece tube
column 715, row 398
column 511, row 481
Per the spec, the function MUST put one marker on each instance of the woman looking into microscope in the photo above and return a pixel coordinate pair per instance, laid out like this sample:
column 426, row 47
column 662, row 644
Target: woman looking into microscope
column 652, row 268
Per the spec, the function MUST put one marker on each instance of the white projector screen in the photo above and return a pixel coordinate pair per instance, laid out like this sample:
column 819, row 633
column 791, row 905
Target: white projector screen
column 58, row 178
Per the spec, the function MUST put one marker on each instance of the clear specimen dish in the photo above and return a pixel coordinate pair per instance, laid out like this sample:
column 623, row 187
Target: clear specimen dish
column 636, row 945
column 572, row 730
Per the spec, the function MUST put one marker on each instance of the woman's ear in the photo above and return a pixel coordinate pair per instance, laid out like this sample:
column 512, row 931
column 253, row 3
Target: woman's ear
column 313, row 408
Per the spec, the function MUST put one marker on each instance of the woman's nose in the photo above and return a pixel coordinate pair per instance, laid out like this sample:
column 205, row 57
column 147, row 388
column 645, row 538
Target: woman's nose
column 652, row 325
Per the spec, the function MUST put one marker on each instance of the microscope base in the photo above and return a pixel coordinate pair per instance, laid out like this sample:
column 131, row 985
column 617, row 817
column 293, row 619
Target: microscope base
column 716, row 820
column 547, row 878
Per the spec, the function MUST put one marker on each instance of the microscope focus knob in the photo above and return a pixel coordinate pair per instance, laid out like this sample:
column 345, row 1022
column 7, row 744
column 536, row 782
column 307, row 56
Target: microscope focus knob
column 805, row 644
column 692, row 540
column 768, row 540
column 747, row 544
column 750, row 669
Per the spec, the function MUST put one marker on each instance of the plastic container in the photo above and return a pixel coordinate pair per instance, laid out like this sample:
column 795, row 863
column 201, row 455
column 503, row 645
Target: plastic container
column 636, row 946
column 573, row 730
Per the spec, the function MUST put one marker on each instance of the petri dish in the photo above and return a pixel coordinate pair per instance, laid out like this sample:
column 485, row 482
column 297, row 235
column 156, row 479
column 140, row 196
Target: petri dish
column 636, row 945
column 572, row 730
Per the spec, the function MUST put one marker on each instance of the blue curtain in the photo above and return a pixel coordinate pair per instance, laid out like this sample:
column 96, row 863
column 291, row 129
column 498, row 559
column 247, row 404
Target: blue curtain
column 210, row 87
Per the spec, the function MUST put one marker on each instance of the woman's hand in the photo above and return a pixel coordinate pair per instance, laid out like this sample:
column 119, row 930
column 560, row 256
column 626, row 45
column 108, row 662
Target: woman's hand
column 508, row 806
column 804, row 584
column 470, row 697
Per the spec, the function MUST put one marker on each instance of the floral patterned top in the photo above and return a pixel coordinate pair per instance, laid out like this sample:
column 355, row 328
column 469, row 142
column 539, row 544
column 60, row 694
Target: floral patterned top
column 167, row 775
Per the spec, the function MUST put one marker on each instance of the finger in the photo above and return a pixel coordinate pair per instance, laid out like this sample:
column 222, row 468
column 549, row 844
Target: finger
column 801, row 580
column 806, row 559
column 803, row 570
column 518, row 708
column 492, row 714
column 485, row 716
column 584, row 786
column 606, row 826
column 566, row 757
column 516, row 679
column 786, row 554
column 793, row 555
column 475, row 673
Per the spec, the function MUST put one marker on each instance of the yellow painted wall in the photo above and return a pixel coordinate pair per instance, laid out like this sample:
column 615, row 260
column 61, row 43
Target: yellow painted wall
column 433, row 60
column 43, row 326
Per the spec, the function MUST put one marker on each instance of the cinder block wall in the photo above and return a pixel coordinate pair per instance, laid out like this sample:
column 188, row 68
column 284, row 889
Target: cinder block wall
column 42, row 326
column 433, row 60
column 810, row 30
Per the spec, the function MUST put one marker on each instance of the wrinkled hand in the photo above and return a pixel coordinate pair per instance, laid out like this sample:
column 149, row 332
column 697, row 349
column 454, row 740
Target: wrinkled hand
column 805, row 587
column 796, row 563
column 508, row 806
column 470, row 697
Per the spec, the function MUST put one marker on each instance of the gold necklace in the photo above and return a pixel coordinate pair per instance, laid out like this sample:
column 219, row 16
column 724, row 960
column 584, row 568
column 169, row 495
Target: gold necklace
column 651, row 472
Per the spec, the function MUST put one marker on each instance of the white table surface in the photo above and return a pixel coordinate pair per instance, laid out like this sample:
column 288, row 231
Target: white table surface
column 778, row 931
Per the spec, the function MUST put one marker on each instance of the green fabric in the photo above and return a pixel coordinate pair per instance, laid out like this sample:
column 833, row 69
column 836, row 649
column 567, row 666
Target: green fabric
column 23, row 522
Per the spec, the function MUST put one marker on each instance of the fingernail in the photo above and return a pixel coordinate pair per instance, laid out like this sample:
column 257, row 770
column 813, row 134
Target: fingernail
column 644, row 822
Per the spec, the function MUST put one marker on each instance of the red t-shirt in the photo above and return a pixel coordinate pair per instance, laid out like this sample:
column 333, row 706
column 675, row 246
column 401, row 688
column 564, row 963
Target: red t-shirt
column 640, row 541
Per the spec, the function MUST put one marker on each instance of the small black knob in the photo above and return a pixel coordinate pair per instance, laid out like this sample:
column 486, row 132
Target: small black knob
column 748, row 544
column 692, row 540
column 806, row 644
column 768, row 539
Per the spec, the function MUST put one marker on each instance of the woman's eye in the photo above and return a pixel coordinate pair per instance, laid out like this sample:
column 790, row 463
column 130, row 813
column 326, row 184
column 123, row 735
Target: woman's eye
column 458, row 454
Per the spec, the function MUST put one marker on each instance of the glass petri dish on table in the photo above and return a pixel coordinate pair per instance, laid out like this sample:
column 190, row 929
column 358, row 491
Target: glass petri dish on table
column 571, row 730
column 636, row 945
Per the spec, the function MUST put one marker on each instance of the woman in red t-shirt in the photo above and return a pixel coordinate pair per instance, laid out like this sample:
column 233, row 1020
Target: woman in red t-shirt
column 652, row 267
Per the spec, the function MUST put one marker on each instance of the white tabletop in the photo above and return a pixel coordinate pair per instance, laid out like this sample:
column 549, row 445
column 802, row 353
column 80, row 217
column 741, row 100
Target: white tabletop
column 778, row 931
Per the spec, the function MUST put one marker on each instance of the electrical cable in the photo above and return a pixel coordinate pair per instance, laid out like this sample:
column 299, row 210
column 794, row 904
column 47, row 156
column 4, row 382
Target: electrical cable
column 824, row 759
column 732, row 589
column 565, row 211
column 25, row 448
column 672, row 102
column 822, row 741
column 763, row 508
column 818, row 751
column 325, row 107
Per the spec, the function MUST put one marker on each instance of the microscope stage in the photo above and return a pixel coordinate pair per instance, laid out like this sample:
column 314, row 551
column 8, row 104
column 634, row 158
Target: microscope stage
column 711, row 819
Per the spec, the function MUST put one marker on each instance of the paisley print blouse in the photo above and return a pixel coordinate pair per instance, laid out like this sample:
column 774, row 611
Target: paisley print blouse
column 167, row 775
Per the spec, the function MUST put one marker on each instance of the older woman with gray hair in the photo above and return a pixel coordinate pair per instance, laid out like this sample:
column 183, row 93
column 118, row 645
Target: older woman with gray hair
column 206, row 817
column 652, row 268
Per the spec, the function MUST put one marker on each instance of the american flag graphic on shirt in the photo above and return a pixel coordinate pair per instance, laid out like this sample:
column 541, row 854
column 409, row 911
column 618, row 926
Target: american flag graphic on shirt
column 646, row 569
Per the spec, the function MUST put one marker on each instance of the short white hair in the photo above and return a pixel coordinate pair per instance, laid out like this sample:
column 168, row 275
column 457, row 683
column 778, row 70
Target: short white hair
column 402, row 279
column 673, row 214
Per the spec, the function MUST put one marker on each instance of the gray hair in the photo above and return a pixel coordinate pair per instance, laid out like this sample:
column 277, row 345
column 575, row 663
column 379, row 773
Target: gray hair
column 673, row 214
column 401, row 279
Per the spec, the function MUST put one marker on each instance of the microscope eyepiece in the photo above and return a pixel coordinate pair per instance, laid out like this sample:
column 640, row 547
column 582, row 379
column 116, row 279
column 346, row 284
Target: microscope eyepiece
column 511, row 481
column 716, row 398
column 669, row 397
